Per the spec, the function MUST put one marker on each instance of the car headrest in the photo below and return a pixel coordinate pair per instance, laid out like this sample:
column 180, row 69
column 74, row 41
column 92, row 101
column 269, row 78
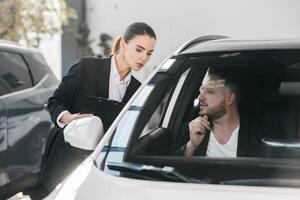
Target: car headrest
column 84, row 133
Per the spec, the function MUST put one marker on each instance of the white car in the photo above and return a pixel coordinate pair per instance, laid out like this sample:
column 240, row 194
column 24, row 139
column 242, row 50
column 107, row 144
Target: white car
column 136, row 158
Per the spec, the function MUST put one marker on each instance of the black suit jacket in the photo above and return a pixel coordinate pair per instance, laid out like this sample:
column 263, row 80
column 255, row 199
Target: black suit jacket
column 88, row 78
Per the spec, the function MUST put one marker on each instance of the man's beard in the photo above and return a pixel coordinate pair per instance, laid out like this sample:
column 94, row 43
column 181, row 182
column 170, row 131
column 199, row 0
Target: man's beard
column 215, row 112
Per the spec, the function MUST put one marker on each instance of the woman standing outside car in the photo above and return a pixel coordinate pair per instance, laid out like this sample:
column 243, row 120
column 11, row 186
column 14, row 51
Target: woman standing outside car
column 89, row 80
column 108, row 78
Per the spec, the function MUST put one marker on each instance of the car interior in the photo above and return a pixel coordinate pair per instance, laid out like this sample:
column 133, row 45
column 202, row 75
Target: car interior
column 270, row 94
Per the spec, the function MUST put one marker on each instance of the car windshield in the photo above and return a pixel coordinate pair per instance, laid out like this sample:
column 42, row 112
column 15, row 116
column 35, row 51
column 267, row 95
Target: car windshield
column 268, row 99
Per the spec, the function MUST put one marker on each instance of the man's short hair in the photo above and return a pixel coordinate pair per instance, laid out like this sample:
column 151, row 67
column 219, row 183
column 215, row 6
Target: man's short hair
column 233, row 79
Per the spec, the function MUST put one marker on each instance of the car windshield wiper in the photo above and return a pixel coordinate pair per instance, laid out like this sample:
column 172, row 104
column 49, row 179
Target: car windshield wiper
column 170, row 173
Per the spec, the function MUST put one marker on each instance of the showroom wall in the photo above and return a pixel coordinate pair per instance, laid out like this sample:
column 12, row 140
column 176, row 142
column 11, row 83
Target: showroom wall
column 51, row 49
column 61, row 51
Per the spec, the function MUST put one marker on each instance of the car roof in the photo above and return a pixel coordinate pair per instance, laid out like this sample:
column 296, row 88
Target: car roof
column 15, row 47
column 223, row 43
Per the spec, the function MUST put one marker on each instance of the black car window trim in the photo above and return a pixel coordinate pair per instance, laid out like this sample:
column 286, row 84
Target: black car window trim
column 173, row 98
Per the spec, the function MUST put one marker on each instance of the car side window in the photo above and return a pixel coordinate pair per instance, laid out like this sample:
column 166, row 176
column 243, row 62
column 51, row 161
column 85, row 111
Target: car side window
column 155, row 119
column 164, row 107
column 14, row 74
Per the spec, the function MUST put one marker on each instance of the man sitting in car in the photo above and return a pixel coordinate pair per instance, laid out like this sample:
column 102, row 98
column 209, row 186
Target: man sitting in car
column 221, row 130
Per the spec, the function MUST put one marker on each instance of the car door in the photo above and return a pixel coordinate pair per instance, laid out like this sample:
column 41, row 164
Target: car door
column 3, row 147
column 28, row 122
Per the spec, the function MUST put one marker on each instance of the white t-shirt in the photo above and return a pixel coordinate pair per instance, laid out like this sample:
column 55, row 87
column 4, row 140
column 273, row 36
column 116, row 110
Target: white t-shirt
column 215, row 149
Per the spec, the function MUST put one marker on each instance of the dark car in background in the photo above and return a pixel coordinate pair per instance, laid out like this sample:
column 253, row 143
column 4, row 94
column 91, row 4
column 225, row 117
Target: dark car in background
column 26, row 82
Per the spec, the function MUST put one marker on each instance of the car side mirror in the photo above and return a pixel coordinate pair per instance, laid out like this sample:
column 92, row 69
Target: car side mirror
column 84, row 133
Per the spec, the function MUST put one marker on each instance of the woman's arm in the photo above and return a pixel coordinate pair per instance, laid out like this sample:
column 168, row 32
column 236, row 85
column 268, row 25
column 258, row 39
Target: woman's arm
column 63, row 96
